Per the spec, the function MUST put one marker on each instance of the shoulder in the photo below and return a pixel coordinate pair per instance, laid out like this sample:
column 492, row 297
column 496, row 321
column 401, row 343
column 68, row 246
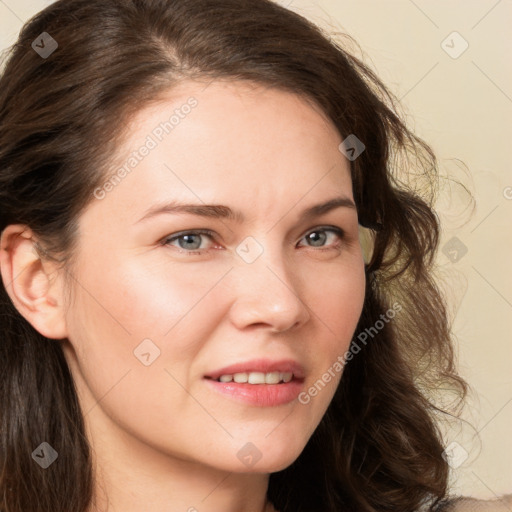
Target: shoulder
column 502, row 504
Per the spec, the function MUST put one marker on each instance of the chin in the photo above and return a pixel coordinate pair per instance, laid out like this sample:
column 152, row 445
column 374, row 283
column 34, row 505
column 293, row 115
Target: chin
column 272, row 459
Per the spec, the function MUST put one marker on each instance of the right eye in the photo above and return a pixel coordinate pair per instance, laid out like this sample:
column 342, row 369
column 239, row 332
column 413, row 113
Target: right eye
column 192, row 238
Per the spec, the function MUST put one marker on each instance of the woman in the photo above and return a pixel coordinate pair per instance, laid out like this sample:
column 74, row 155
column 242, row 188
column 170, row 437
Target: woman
column 216, row 267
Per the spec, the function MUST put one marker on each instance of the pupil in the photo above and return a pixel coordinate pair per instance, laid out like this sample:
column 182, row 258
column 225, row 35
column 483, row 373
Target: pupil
column 188, row 241
column 314, row 237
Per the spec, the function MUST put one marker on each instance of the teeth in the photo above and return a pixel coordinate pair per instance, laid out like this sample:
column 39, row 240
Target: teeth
column 287, row 377
column 272, row 378
column 258, row 377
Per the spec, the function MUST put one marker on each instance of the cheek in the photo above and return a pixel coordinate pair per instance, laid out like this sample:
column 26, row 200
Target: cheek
column 145, row 300
column 116, row 311
column 111, row 318
column 337, row 299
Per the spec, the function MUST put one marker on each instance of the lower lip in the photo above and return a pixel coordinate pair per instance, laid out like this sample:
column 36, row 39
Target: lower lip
column 263, row 395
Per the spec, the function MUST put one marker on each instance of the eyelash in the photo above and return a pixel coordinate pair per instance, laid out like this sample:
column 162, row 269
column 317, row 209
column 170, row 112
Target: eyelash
column 166, row 241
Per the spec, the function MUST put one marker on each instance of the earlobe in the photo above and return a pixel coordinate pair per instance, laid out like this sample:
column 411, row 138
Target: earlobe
column 33, row 284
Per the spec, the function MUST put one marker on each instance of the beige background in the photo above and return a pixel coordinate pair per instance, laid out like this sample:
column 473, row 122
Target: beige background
column 463, row 107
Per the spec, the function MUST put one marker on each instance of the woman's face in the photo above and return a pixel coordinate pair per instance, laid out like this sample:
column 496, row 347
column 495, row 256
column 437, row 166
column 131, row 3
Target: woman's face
column 154, row 316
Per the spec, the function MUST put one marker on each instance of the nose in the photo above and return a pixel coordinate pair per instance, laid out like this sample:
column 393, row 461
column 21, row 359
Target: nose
column 268, row 293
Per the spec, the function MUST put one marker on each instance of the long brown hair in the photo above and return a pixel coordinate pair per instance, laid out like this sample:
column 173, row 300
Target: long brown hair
column 61, row 117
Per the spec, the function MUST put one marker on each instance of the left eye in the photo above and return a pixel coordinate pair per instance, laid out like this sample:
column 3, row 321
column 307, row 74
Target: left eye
column 190, row 241
column 312, row 236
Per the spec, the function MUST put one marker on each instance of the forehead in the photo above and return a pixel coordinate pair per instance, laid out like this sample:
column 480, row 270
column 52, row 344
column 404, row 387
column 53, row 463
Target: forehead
column 230, row 111
column 229, row 140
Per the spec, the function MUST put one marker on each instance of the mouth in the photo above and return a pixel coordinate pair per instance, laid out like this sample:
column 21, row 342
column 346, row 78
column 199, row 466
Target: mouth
column 259, row 382
column 259, row 371
column 257, row 378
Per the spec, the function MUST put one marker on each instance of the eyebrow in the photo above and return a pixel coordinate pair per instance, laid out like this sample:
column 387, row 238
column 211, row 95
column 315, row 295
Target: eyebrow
column 220, row 211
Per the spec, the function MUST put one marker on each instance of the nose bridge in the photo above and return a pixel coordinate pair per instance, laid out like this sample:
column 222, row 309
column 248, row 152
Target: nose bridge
column 266, row 292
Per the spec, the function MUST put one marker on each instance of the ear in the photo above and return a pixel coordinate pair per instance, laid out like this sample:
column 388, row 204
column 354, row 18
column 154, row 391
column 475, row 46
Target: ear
column 33, row 284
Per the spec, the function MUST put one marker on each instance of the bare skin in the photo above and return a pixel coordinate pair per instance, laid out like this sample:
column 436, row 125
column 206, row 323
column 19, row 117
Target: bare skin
column 163, row 438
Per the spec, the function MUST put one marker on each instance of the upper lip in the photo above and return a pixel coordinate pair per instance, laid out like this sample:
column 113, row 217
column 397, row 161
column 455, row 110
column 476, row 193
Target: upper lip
column 261, row 365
